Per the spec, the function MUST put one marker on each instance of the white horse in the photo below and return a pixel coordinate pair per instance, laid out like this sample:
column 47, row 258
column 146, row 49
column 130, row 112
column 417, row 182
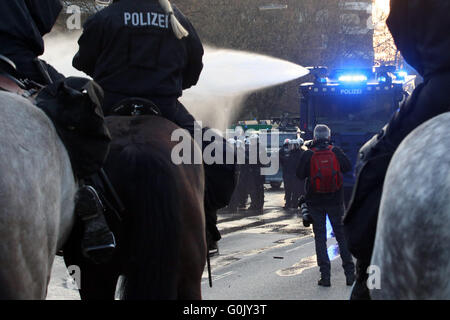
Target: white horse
column 37, row 190
column 412, row 245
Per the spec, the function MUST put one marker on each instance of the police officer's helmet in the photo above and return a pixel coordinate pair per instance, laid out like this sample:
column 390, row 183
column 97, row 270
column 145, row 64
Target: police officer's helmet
column 238, row 131
column 298, row 143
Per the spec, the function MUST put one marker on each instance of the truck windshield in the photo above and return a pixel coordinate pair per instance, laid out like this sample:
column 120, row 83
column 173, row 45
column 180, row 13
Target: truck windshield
column 359, row 113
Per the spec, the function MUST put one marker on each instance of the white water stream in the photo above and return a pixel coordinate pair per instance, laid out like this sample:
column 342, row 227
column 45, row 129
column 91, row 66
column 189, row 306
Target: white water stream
column 227, row 77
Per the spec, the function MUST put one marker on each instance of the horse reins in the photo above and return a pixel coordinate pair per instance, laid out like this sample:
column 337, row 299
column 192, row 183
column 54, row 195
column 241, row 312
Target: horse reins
column 7, row 84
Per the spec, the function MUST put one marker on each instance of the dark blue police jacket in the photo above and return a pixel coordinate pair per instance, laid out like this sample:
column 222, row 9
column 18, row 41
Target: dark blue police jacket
column 22, row 25
column 129, row 48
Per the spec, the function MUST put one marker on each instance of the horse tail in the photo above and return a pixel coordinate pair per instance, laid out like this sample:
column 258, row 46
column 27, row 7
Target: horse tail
column 153, row 228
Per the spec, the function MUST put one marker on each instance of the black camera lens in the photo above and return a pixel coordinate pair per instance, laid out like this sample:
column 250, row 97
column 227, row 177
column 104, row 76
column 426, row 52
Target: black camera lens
column 306, row 217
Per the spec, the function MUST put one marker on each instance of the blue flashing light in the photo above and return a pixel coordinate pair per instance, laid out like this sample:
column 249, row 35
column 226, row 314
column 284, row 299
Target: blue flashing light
column 401, row 74
column 382, row 79
column 353, row 78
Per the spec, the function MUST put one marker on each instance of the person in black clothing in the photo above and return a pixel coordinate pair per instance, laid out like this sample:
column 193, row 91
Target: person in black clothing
column 420, row 32
column 149, row 49
column 240, row 194
column 322, row 204
column 131, row 50
column 290, row 155
column 23, row 23
column 255, row 180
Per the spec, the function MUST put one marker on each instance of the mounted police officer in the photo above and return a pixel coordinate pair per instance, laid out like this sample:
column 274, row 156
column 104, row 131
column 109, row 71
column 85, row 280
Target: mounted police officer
column 420, row 31
column 23, row 23
column 149, row 49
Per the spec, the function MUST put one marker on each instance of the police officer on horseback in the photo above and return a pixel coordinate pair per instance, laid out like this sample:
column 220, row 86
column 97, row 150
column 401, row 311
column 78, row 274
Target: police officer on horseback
column 23, row 23
column 420, row 31
column 149, row 49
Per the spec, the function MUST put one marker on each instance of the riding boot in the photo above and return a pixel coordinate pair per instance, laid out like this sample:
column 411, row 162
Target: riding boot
column 360, row 290
column 98, row 241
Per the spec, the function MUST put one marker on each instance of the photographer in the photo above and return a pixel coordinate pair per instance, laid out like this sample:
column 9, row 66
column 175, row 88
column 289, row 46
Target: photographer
column 321, row 166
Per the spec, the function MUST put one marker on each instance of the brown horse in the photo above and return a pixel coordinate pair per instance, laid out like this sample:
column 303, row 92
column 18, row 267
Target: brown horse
column 161, row 249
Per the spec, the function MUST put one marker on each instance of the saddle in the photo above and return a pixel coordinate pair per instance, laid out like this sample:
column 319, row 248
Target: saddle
column 9, row 81
column 135, row 107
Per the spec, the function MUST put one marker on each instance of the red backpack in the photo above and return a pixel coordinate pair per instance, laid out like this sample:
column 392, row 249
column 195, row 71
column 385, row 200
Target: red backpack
column 326, row 176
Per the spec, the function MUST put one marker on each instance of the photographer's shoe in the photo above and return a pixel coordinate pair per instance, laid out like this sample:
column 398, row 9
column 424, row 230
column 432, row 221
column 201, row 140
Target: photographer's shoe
column 324, row 282
column 98, row 241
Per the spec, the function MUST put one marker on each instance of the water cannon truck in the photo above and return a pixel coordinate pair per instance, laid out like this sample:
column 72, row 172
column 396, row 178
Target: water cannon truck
column 354, row 103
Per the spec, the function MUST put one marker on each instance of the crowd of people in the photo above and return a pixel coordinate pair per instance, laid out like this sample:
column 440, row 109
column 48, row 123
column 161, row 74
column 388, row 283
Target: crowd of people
column 249, row 177
column 251, row 181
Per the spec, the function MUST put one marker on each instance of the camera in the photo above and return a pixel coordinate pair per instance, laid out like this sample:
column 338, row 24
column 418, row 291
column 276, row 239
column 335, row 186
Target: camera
column 304, row 211
column 306, row 216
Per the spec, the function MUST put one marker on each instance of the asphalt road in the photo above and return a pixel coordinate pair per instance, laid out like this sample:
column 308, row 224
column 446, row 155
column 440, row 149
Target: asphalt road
column 270, row 256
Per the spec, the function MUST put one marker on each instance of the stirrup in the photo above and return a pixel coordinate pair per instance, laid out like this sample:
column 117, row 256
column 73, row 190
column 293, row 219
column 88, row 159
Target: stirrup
column 136, row 107
column 98, row 241
column 100, row 253
column 88, row 204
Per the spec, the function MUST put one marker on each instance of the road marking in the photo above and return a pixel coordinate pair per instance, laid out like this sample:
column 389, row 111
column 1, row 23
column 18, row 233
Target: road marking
column 217, row 277
column 308, row 262
column 296, row 248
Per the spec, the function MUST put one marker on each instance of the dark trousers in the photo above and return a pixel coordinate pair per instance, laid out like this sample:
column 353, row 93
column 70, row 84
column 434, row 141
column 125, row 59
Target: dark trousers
column 335, row 213
column 292, row 191
column 239, row 196
column 256, row 188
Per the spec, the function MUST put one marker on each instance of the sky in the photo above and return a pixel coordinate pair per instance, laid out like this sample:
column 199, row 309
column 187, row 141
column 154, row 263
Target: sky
column 383, row 5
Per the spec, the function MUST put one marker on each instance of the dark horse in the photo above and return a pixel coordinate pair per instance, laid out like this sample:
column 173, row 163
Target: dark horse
column 161, row 250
